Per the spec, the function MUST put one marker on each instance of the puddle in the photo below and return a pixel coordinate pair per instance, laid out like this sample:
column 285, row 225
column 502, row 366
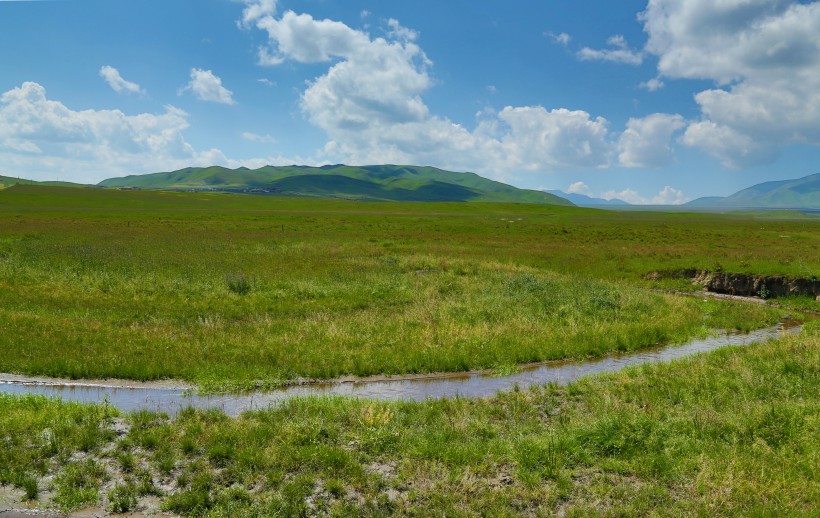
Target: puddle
column 470, row 385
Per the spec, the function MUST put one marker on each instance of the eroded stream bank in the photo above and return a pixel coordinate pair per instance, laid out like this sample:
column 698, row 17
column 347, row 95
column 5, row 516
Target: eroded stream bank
column 477, row 384
column 744, row 284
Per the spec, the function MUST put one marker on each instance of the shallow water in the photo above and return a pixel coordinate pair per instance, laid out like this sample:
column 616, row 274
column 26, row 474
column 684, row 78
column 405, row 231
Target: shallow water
column 469, row 385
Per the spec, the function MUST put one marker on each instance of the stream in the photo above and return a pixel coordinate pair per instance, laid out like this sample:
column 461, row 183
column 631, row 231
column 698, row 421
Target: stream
column 468, row 385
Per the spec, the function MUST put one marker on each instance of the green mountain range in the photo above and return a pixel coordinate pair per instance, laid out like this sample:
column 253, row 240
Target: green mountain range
column 802, row 193
column 377, row 182
column 413, row 183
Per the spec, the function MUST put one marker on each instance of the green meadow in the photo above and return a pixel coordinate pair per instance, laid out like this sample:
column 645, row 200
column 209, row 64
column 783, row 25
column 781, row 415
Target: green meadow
column 730, row 433
column 234, row 291
column 238, row 292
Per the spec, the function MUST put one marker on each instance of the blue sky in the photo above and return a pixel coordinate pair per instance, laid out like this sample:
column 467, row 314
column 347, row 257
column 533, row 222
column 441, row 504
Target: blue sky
column 652, row 101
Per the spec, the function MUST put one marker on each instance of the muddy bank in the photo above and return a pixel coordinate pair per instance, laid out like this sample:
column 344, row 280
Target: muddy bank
column 744, row 284
column 21, row 379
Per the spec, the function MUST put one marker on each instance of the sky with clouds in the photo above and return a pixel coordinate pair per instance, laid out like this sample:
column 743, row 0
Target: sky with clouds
column 651, row 101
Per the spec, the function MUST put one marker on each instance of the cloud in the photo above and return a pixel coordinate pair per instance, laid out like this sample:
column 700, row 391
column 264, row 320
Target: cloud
column 555, row 139
column 398, row 32
column 579, row 188
column 267, row 82
column 734, row 149
column 208, row 87
column 253, row 137
column 619, row 53
column 370, row 104
column 256, row 9
column 645, row 142
column 301, row 38
column 117, row 83
column 43, row 136
column 764, row 57
column 562, row 38
column 652, row 84
column 667, row 196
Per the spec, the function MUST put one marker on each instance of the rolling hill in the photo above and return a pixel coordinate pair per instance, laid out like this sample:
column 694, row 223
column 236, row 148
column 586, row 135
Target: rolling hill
column 377, row 182
column 8, row 181
column 802, row 193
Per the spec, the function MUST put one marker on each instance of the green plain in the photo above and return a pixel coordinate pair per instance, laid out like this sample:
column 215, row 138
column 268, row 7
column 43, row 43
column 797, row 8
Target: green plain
column 235, row 291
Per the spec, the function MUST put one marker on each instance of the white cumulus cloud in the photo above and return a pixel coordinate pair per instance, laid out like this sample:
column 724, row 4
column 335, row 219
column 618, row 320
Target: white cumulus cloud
column 117, row 83
column 733, row 148
column 256, row 9
column 764, row 57
column 369, row 103
column 559, row 138
column 646, row 141
column 42, row 138
column 208, row 87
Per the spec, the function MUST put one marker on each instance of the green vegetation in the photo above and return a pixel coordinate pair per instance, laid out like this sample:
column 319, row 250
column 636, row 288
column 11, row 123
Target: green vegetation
column 235, row 292
column 232, row 291
column 377, row 182
column 733, row 432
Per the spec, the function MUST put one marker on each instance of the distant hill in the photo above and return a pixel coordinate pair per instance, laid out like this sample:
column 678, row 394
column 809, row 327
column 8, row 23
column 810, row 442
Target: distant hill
column 706, row 201
column 583, row 200
column 377, row 182
column 802, row 193
column 8, row 181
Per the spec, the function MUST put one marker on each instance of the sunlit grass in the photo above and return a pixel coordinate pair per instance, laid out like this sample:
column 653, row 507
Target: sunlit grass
column 379, row 317
column 732, row 432
column 233, row 291
column 240, row 292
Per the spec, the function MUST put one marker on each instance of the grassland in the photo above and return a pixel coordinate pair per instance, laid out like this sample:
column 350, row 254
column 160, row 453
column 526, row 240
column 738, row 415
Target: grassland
column 730, row 433
column 231, row 291
column 235, row 292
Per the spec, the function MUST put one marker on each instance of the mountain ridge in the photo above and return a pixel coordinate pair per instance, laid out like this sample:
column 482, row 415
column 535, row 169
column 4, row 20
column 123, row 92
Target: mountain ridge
column 372, row 182
column 798, row 193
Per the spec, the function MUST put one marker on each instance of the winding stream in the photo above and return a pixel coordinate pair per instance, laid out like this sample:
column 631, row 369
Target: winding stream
column 474, row 384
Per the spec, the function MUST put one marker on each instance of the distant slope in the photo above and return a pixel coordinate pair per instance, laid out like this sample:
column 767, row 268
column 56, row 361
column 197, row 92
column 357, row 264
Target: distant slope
column 377, row 182
column 802, row 193
column 8, row 181
column 583, row 200
column 706, row 201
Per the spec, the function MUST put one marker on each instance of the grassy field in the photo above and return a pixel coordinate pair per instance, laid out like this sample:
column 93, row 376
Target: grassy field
column 234, row 292
column 237, row 292
column 730, row 433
